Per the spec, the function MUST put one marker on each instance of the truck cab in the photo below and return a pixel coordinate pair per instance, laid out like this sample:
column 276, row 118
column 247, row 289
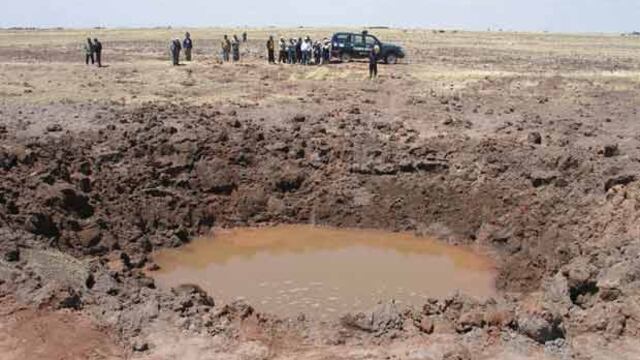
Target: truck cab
column 349, row 46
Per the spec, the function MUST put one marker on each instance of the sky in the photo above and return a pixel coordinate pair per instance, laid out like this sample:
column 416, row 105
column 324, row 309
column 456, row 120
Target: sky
column 520, row 15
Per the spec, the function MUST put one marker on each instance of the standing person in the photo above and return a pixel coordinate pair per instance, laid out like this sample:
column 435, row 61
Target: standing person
column 291, row 50
column 299, row 50
column 97, row 46
column 235, row 48
column 175, row 51
column 271, row 50
column 326, row 50
column 244, row 37
column 304, row 51
column 187, row 45
column 226, row 48
column 282, row 55
column 317, row 52
column 373, row 62
column 88, row 52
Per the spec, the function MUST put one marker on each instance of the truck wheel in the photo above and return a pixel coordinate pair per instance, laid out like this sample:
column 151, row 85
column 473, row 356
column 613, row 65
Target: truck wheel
column 345, row 57
column 391, row 59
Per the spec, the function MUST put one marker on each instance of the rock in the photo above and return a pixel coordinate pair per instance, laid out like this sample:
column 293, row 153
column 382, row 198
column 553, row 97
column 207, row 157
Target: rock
column 542, row 178
column 152, row 266
column 251, row 202
column 54, row 128
column 540, row 324
column 108, row 157
column 289, row 180
column 140, row 346
column 280, row 146
column 457, row 352
column 7, row 160
column 194, row 294
column 613, row 280
column 84, row 184
column 299, row 118
column 470, row 320
column 12, row 255
column 236, row 310
column 610, row 150
column 105, row 284
column 71, row 301
column 580, row 280
column 41, row 224
column 619, row 180
column 534, row 138
column 66, row 197
column 556, row 292
column 425, row 325
column 499, row 318
column 432, row 307
column 89, row 236
column 380, row 319
column 216, row 177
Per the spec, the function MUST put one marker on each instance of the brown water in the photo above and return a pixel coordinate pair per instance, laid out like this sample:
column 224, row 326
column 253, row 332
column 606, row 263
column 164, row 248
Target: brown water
column 323, row 272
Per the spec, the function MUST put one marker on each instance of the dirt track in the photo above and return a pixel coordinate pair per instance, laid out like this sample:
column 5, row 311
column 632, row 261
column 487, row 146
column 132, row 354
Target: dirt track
column 527, row 146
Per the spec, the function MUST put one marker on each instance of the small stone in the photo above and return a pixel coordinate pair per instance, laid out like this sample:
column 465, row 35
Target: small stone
column 139, row 346
column 12, row 255
column 610, row 150
column 535, row 138
column 54, row 128
column 426, row 325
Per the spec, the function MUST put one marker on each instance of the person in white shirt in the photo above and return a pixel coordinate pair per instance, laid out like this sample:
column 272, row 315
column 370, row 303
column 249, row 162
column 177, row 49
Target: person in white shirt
column 306, row 48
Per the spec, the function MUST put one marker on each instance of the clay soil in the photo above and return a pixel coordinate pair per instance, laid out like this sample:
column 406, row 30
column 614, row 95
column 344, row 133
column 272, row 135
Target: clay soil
column 523, row 145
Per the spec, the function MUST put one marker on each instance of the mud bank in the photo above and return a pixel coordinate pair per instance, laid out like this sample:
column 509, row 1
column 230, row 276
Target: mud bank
column 81, row 210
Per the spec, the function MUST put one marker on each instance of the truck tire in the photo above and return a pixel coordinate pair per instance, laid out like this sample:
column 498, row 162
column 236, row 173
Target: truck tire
column 345, row 57
column 391, row 59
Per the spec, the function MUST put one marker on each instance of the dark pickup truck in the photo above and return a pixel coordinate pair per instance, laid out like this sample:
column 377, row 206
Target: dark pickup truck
column 348, row 46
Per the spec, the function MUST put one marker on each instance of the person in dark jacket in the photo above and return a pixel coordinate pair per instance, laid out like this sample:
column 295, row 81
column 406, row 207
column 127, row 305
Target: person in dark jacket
column 187, row 45
column 299, row 50
column 235, row 48
column 373, row 62
column 271, row 50
column 175, row 52
column 88, row 52
column 97, row 48
column 244, row 37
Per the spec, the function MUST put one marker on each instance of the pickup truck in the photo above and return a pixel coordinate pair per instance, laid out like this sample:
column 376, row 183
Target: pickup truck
column 349, row 46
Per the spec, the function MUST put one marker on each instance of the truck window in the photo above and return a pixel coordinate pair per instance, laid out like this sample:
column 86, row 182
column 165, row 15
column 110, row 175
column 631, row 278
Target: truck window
column 342, row 39
column 371, row 41
column 358, row 40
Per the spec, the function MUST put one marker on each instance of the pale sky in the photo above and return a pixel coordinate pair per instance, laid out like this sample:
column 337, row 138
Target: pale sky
column 525, row 15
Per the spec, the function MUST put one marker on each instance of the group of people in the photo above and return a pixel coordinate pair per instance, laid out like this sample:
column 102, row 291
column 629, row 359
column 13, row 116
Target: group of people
column 93, row 52
column 304, row 52
column 292, row 51
column 232, row 47
column 176, row 46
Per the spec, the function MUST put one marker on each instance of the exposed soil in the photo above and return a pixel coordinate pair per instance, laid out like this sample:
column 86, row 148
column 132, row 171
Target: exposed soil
column 543, row 171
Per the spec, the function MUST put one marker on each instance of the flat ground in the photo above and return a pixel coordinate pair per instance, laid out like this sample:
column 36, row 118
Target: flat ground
column 525, row 145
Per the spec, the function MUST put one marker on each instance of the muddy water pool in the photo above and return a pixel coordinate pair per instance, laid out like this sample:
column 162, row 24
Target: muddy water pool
column 324, row 272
